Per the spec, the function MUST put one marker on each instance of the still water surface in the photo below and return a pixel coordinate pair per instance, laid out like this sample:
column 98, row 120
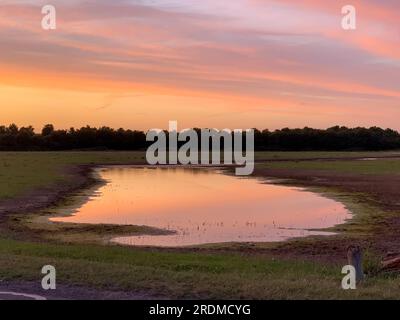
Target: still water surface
column 204, row 206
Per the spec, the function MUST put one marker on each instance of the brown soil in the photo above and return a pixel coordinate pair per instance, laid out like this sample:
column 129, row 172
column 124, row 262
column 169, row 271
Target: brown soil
column 379, row 191
column 19, row 290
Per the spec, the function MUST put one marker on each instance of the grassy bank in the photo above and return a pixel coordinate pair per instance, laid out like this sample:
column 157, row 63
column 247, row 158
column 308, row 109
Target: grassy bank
column 377, row 167
column 185, row 275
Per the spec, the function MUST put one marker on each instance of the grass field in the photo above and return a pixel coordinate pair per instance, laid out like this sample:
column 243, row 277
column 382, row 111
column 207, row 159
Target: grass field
column 203, row 273
column 377, row 167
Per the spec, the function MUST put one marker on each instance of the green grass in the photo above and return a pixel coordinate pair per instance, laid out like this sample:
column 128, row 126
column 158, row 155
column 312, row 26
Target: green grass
column 376, row 167
column 278, row 155
column 184, row 275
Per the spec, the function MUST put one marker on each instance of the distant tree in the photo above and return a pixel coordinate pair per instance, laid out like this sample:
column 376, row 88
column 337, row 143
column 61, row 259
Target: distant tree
column 47, row 130
column 25, row 137
column 12, row 129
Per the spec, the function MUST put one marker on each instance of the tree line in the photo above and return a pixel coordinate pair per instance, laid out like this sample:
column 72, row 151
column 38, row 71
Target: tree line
column 14, row 138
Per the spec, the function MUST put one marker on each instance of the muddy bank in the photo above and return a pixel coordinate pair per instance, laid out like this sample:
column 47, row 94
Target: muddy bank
column 12, row 211
column 79, row 177
column 379, row 232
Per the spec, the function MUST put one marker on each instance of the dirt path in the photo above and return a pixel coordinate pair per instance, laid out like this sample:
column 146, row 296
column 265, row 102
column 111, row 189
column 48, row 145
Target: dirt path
column 33, row 291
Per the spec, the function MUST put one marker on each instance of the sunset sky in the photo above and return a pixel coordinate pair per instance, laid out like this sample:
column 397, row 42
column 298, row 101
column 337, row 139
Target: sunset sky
column 205, row 63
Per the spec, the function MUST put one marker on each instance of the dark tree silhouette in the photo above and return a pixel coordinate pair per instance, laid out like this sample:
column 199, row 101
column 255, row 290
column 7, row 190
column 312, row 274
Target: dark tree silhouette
column 103, row 138
column 47, row 130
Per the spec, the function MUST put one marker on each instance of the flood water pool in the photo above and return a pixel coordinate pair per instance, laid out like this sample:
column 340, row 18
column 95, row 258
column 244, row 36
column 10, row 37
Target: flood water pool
column 204, row 206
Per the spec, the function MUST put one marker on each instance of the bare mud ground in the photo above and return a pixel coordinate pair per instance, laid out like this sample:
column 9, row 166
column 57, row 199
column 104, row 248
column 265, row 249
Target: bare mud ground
column 33, row 291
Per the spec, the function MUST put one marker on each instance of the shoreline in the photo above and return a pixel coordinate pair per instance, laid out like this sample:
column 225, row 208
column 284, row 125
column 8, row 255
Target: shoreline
column 106, row 233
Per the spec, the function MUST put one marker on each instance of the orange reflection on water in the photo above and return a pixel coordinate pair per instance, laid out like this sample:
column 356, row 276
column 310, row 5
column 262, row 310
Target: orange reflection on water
column 205, row 206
